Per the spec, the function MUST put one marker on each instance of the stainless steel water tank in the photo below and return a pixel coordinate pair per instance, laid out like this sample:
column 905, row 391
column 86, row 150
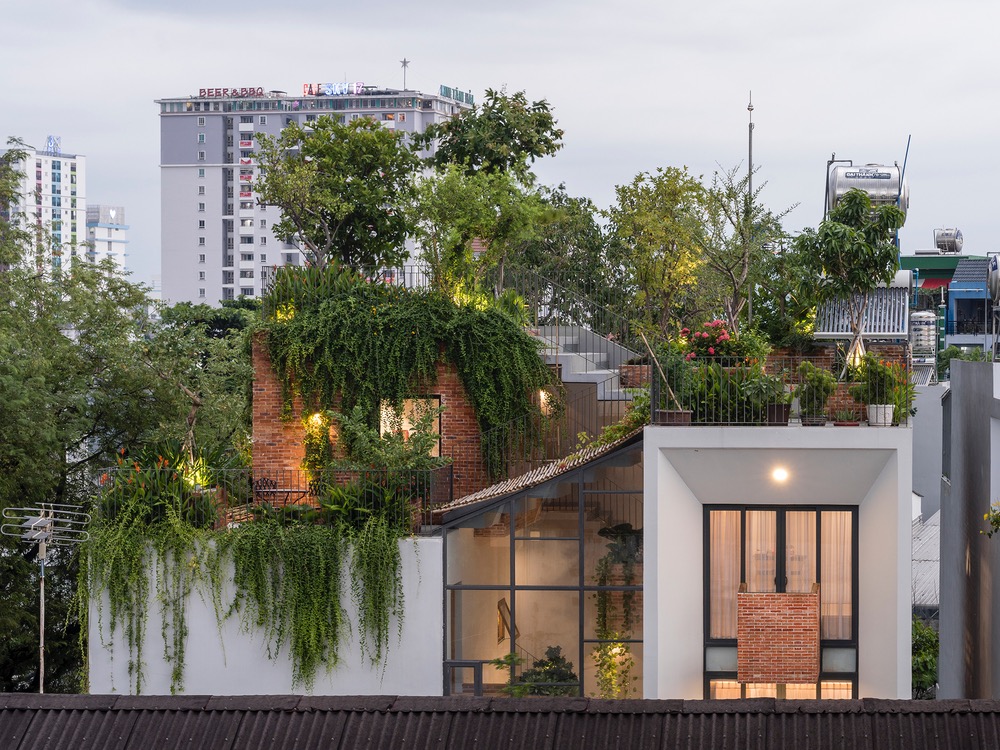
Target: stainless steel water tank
column 923, row 331
column 993, row 279
column 948, row 240
column 881, row 182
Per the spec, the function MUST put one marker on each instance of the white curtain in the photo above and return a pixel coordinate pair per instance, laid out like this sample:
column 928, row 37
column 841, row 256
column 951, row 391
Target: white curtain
column 761, row 541
column 724, row 573
column 835, row 581
column 800, row 551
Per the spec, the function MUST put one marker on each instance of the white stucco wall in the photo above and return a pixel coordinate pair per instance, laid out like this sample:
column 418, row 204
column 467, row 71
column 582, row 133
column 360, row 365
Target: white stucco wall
column 688, row 467
column 235, row 662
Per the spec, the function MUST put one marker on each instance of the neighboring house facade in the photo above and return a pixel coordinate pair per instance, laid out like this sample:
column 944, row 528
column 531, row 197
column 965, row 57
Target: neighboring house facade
column 969, row 662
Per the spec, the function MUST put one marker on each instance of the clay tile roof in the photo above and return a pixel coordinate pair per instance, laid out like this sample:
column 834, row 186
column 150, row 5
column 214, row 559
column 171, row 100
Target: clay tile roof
column 535, row 477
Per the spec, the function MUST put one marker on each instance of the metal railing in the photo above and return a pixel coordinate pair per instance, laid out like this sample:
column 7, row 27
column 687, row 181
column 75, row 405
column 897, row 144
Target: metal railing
column 222, row 498
column 776, row 391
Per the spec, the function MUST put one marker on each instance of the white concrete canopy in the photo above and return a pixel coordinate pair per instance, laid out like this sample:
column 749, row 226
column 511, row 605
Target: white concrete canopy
column 689, row 467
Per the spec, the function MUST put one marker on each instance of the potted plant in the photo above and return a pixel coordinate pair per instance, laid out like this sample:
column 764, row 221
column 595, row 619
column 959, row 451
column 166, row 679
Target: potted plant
column 846, row 418
column 768, row 395
column 676, row 387
column 876, row 389
column 814, row 390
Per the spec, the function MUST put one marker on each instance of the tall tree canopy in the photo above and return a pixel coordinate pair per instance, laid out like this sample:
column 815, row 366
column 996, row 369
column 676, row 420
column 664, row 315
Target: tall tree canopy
column 342, row 190
column 736, row 236
column 84, row 372
column 454, row 208
column 654, row 227
column 506, row 134
column 851, row 253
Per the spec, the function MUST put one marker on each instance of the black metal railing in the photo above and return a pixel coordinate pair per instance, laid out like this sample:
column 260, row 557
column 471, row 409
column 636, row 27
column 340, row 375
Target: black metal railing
column 779, row 390
column 218, row 499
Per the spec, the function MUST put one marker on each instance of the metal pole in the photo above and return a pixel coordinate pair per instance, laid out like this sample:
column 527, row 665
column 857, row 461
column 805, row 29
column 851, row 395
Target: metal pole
column 749, row 201
column 41, row 619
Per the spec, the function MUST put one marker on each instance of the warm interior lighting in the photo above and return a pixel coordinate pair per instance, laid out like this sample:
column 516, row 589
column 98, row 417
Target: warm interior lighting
column 780, row 474
column 544, row 402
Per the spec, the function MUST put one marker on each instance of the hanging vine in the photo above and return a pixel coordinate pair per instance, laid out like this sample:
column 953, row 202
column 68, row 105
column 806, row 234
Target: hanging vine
column 366, row 343
column 377, row 586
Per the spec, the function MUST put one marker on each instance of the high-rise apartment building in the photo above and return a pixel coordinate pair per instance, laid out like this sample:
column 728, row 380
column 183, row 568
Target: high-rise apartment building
column 106, row 234
column 53, row 202
column 216, row 237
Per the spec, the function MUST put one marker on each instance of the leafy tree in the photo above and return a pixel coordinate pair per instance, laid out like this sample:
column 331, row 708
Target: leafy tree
column 84, row 371
column 785, row 299
column 453, row 208
column 569, row 248
column 654, row 228
column 851, row 253
column 342, row 190
column 506, row 134
column 737, row 235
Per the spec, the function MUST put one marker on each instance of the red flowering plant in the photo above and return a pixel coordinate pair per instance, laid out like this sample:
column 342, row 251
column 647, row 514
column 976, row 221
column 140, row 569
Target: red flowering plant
column 152, row 484
column 712, row 340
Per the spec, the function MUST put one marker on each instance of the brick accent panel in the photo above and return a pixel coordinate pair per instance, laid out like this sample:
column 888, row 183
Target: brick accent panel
column 278, row 446
column 777, row 637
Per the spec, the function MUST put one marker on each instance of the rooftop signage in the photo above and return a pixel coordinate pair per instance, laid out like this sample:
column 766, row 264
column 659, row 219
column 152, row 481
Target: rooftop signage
column 458, row 96
column 234, row 92
column 344, row 88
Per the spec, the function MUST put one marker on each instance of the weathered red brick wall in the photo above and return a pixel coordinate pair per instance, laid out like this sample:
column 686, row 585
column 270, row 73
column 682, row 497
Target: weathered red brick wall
column 278, row 445
column 777, row 638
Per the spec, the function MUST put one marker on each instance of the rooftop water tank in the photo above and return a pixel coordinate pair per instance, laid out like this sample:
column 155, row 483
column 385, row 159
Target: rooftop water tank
column 948, row 240
column 923, row 332
column 993, row 280
column 882, row 183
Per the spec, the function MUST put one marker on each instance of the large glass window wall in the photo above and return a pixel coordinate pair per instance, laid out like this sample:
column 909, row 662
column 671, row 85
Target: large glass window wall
column 785, row 550
column 544, row 587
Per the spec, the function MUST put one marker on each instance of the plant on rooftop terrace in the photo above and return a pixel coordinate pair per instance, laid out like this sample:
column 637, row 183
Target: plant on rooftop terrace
column 367, row 344
column 851, row 253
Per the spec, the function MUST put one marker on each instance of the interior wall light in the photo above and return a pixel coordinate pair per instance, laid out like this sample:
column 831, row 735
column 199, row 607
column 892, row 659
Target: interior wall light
column 780, row 474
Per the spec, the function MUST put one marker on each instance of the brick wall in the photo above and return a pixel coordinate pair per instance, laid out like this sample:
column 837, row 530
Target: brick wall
column 777, row 637
column 278, row 446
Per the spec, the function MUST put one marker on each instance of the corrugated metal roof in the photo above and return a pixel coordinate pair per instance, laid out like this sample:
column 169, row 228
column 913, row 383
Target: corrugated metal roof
column 926, row 561
column 58, row 722
column 970, row 271
column 886, row 316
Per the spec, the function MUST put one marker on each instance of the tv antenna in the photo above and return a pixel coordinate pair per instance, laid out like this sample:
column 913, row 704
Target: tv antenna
column 47, row 524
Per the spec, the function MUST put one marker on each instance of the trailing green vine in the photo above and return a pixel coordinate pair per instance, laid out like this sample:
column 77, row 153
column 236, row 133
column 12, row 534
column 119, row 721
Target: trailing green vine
column 288, row 583
column 363, row 344
column 377, row 586
column 154, row 535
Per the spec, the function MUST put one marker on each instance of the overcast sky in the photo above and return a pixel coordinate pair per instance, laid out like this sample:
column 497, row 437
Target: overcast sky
column 635, row 85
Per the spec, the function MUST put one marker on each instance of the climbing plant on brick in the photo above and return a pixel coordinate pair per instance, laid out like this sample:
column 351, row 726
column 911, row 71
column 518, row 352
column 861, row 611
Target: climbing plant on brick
column 364, row 343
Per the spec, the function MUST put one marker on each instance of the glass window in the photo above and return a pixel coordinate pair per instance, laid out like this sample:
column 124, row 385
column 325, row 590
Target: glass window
column 724, row 571
column 836, row 593
column 201, row 137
